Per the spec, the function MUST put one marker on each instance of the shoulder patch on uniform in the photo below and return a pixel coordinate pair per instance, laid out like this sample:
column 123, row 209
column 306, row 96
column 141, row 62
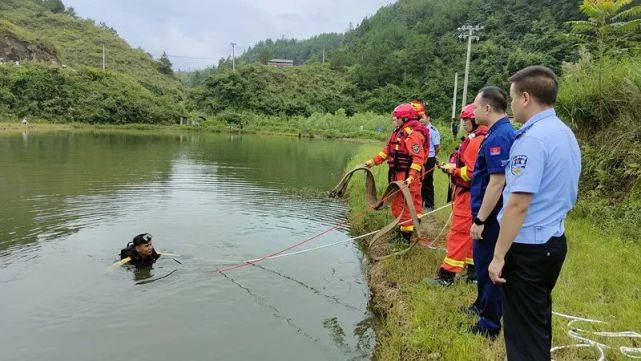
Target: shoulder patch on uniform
column 518, row 164
column 416, row 148
column 495, row 150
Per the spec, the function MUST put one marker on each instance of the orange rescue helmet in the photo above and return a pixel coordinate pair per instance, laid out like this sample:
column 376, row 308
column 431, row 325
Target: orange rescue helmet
column 419, row 106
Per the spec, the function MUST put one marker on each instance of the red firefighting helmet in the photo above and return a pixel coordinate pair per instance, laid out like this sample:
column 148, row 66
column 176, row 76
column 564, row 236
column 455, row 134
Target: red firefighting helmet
column 406, row 111
column 468, row 112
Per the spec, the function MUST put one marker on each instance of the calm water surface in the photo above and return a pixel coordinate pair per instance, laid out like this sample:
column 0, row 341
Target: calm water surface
column 70, row 200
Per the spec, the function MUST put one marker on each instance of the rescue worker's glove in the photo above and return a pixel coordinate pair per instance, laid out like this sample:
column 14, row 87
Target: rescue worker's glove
column 409, row 180
column 448, row 168
column 370, row 163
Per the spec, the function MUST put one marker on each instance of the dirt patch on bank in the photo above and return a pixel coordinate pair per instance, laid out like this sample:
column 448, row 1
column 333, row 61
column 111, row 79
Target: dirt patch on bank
column 384, row 290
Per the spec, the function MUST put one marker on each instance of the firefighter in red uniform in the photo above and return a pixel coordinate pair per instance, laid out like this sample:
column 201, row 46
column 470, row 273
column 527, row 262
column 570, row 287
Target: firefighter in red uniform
column 461, row 168
column 405, row 153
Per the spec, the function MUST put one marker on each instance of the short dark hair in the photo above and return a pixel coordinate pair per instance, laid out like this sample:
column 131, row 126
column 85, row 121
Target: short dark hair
column 539, row 81
column 494, row 97
column 142, row 239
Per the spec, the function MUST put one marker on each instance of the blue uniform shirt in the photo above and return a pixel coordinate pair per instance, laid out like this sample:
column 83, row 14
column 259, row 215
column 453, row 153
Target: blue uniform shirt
column 435, row 139
column 545, row 161
column 492, row 158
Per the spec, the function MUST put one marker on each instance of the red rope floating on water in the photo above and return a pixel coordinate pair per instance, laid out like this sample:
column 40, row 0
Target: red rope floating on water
column 337, row 225
column 249, row 263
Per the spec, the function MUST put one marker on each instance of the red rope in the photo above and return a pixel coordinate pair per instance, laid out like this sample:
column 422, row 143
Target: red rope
column 249, row 263
column 337, row 225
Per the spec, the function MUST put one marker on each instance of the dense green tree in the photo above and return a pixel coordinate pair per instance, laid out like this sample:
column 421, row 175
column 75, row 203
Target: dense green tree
column 71, row 12
column 165, row 65
column 265, row 55
column 269, row 90
column 300, row 51
column 609, row 24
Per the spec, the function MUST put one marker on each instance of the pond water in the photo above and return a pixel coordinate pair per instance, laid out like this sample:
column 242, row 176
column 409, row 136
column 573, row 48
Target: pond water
column 69, row 201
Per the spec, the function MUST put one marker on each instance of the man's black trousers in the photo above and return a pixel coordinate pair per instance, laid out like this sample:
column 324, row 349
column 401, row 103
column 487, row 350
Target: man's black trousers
column 427, row 191
column 531, row 272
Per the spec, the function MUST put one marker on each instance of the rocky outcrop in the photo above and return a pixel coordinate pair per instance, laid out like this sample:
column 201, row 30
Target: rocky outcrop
column 16, row 48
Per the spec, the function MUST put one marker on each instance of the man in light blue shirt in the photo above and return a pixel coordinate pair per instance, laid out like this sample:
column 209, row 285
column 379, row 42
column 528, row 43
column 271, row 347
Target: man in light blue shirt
column 542, row 176
column 427, row 192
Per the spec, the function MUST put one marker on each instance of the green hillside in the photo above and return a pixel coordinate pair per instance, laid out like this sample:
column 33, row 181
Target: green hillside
column 79, row 43
column 300, row 51
column 272, row 91
column 60, row 74
column 411, row 48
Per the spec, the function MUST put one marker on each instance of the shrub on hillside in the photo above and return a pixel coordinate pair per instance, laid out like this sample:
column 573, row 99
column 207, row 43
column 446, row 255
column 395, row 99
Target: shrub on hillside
column 602, row 102
column 594, row 94
column 88, row 95
column 267, row 90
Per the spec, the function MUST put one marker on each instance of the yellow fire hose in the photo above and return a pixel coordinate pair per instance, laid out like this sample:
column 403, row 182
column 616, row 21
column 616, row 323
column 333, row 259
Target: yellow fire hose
column 376, row 204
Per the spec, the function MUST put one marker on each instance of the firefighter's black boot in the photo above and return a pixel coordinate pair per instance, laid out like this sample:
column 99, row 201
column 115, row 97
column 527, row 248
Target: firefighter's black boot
column 443, row 278
column 470, row 277
column 407, row 237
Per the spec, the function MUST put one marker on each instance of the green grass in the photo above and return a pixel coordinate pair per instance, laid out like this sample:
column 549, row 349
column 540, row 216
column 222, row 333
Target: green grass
column 600, row 280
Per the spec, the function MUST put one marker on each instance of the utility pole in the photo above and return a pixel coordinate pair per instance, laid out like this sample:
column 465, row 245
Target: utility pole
column 233, row 57
column 467, row 32
column 103, row 57
column 454, row 96
column 323, row 53
column 455, row 124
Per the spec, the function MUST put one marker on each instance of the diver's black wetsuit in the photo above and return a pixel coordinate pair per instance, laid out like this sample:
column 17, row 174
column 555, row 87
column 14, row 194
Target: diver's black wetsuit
column 136, row 259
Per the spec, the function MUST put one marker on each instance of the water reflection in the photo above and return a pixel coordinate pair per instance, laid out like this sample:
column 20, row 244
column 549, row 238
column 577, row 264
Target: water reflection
column 69, row 202
column 53, row 184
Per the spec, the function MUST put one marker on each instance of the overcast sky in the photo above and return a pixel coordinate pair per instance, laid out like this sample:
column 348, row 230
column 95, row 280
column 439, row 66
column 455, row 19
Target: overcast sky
column 204, row 29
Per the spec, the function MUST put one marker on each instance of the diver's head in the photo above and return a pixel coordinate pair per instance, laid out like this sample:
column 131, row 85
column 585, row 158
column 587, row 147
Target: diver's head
column 143, row 244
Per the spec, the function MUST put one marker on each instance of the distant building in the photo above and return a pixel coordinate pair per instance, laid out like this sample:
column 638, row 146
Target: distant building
column 281, row 62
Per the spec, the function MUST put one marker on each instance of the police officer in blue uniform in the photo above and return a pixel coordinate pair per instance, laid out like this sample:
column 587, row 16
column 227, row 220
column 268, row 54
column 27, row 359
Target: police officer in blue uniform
column 488, row 181
column 427, row 190
column 541, row 187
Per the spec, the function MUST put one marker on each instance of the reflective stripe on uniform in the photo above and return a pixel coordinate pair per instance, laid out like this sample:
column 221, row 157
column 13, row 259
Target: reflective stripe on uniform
column 382, row 155
column 417, row 167
column 469, row 261
column 464, row 175
column 454, row 263
column 407, row 228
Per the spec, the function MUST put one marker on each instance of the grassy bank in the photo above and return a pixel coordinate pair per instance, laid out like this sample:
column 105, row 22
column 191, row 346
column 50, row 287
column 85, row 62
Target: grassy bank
column 339, row 125
column 599, row 280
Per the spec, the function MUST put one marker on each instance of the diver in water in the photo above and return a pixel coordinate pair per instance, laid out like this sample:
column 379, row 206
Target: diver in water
column 139, row 252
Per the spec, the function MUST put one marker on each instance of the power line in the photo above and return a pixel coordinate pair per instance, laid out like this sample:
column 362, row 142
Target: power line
column 190, row 57
column 467, row 32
